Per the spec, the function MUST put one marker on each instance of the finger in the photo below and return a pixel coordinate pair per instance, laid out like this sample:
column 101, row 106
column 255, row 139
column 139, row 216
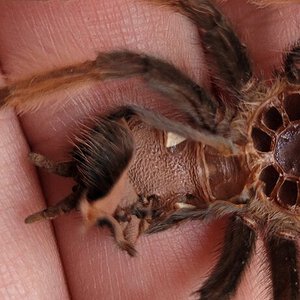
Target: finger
column 50, row 139
column 25, row 252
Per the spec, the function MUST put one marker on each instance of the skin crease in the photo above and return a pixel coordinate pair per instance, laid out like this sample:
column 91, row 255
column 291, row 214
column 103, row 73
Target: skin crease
column 39, row 261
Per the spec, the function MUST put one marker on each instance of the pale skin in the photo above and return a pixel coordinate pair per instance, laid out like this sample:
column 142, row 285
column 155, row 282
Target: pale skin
column 60, row 260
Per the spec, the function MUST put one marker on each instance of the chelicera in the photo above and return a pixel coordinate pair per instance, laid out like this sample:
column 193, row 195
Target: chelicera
column 239, row 157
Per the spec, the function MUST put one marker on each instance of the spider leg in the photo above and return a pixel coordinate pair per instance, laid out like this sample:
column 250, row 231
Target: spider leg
column 133, row 229
column 292, row 64
column 102, row 155
column 199, row 110
column 136, row 218
column 220, row 42
column 182, row 91
column 215, row 210
column 65, row 169
column 117, row 232
column 223, row 145
column 239, row 245
column 62, row 207
column 284, row 268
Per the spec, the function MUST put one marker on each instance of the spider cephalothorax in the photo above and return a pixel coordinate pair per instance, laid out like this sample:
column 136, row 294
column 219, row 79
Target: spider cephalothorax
column 237, row 158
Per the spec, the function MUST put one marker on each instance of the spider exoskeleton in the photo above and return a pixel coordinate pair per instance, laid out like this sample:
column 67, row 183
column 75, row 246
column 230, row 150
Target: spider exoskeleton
column 238, row 158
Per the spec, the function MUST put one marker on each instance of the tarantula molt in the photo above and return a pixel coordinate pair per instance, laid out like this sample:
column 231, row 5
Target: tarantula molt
column 238, row 144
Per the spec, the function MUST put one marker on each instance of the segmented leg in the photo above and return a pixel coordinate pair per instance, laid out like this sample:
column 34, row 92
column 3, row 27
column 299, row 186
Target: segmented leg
column 237, row 250
column 102, row 155
column 184, row 93
column 133, row 229
column 136, row 218
column 284, row 268
column 117, row 232
column 219, row 40
column 65, row 169
column 215, row 210
column 196, row 106
column 292, row 64
column 62, row 207
column 223, row 145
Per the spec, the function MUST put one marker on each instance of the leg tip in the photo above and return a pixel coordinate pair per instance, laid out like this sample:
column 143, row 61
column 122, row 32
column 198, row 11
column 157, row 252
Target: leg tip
column 129, row 248
column 33, row 156
column 34, row 218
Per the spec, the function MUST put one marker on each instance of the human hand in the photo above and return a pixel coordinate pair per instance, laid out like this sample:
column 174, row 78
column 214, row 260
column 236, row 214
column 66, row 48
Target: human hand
column 41, row 262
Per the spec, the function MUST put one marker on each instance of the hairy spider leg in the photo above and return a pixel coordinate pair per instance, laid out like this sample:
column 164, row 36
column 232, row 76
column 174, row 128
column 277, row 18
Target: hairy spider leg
column 134, row 228
column 198, row 109
column 292, row 64
column 117, row 232
column 236, row 253
column 283, row 255
column 136, row 218
column 228, row 61
column 238, row 248
column 227, row 54
column 214, row 210
column 65, row 169
column 102, row 155
column 62, row 207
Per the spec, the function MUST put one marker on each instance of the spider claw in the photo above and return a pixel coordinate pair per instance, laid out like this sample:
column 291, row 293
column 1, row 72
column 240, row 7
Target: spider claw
column 39, row 216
